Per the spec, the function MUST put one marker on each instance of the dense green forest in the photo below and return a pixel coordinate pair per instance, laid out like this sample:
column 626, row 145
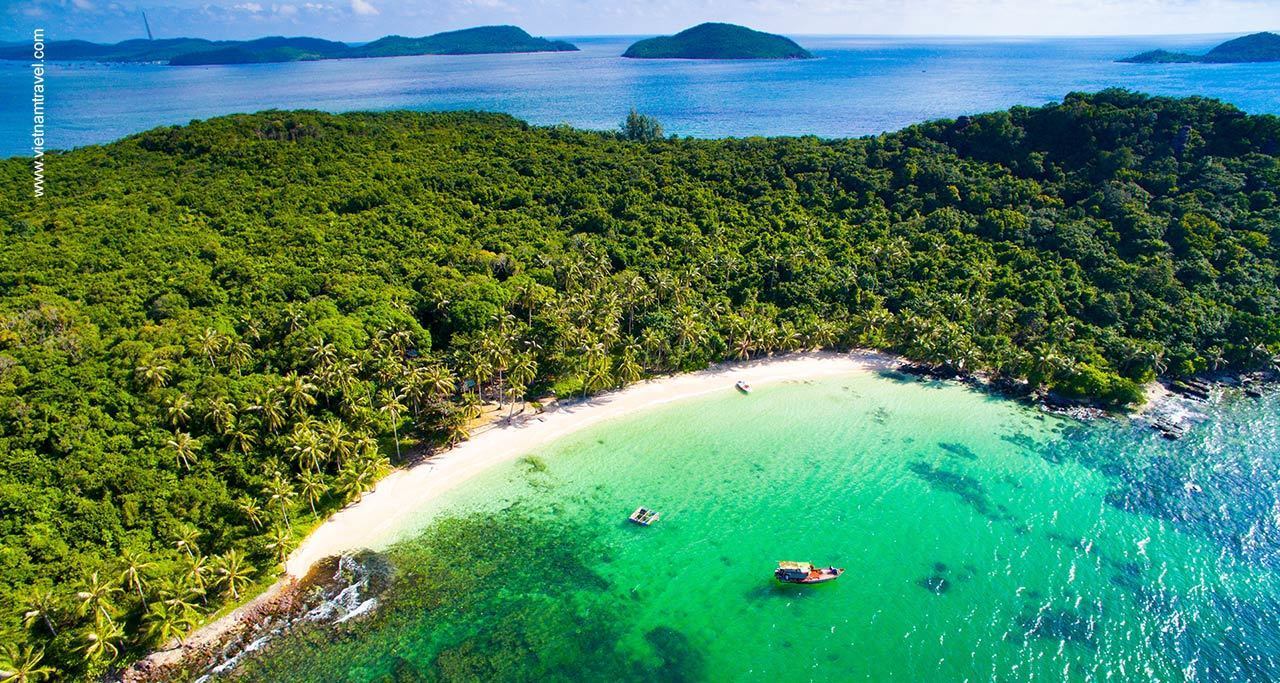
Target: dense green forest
column 213, row 335
column 717, row 41
column 199, row 51
column 1257, row 47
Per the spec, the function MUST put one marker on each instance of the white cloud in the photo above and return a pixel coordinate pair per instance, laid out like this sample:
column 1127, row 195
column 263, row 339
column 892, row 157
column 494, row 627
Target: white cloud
column 248, row 7
column 363, row 7
column 285, row 10
column 82, row 4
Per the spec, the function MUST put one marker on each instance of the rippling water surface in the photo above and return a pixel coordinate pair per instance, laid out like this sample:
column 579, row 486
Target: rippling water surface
column 982, row 540
column 859, row 86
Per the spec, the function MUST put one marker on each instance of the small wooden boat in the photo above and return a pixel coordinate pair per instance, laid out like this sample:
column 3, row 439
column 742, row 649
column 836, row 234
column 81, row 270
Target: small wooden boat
column 644, row 516
column 742, row 386
column 805, row 572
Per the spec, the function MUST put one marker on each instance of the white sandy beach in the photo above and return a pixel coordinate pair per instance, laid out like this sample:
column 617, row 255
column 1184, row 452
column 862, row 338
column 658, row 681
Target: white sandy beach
column 383, row 511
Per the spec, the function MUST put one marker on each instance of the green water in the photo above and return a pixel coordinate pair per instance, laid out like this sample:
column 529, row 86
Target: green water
column 983, row 540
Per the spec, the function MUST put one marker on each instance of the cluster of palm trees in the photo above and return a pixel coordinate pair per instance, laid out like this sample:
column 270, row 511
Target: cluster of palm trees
column 318, row 419
column 145, row 600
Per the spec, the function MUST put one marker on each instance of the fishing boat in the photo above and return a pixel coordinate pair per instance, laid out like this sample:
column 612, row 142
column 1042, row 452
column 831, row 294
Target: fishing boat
column 644, row 516
column 805, row 572
column 742, row 386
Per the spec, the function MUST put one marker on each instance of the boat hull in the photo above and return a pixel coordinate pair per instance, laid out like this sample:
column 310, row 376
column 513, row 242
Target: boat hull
column 817, row 576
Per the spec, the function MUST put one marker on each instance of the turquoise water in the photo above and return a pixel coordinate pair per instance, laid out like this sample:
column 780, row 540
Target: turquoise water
column 983, row 540
column 861, row 85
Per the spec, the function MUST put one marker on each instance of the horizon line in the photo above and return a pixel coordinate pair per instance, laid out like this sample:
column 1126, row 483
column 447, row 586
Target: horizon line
column 50, row 35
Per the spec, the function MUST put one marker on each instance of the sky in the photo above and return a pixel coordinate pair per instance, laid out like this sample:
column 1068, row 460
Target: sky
column 356, row 20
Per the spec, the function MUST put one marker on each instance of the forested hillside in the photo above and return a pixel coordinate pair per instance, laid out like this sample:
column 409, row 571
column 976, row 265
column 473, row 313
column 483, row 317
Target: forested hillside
column 211, row 335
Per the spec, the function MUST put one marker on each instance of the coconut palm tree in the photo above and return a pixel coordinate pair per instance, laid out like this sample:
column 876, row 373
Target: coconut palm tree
column 239, row 355
column 184, row 448
column 22, row 665
column 299, row 392
column 133, row 573
column 242, row 440
column 40, row 606
column 629, row 369
column 313, row 488
column 524, row 368
column 211, row 343
column 185, row 540
column 251, row 510
column 304, row 446
column 175, row 594
column 598, row 377
column 336, row 441
column 271, row 408
column 164, row 622
column 281, row 493
column 233, row 572
column 392, row 408
column 100, row 641
column 153, row 372
column 280, row 543
column 178, row 410
column 222, row 415
column 95, row 597
column 196, row 575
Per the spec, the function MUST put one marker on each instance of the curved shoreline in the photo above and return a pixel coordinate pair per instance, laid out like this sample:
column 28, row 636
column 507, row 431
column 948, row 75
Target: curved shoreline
column 383, row 511
column 395, row 498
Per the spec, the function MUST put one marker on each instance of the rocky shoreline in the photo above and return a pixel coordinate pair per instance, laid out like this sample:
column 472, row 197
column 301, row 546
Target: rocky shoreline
column 1172, row 407
column 336, row 590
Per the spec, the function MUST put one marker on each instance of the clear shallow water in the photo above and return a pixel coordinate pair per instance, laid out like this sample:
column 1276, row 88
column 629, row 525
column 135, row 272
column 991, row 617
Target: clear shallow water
column 983, row 541
column 861, row 85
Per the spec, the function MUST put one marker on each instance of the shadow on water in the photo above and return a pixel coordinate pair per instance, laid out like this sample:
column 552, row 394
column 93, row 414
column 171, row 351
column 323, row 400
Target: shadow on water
column 969, row 490
column 959, row 450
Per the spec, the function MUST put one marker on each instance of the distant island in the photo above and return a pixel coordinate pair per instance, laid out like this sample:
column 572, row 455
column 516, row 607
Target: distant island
column 198, row 51
column 718, row 41
column 1259, row 47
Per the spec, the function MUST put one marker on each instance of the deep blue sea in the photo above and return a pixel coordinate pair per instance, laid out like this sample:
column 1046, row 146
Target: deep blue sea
column 860, row 85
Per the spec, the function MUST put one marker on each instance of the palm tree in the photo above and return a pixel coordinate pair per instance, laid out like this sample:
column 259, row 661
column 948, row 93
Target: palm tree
column 99, row 641
column 239, row 354
column 222, row 415
column 305, row 447
column 313, row 488
column 299, row 391
column 184, row 448
column 272, row 410
column 337, row 440
column 178, row 410
column 242, row 440
column 196, row 574
column 233, row 572
column 22, row 665
column 629, row 369
column 281, row 493
column 153, row 373
column 439, row 381
column 211, row 343
column 95, row 597
column 165, row 622
column 392, row 408
column 598, row 377
column 40, row 606
column 279, row 542
column 251, row 510
column 185, row 539
column 175, row 594
column 133, row 575
column 523, row 369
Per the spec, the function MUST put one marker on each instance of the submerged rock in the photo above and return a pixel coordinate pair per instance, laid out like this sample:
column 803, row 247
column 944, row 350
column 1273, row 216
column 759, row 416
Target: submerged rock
column 934, row 584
